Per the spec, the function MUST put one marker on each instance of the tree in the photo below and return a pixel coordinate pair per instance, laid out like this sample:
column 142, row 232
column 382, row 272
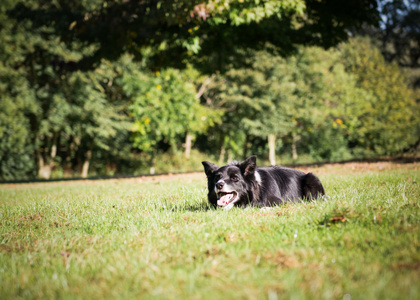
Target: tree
column 95, row 119
column 400, row 36
column 177, row 29
column 15, row 150
column 164, row 108
column 56, row 109
column 15, row 102
column 77, row 73
column 276, row 97
column 387, row 119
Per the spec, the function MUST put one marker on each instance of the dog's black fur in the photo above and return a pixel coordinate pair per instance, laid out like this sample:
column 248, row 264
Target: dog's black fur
column 244, row 184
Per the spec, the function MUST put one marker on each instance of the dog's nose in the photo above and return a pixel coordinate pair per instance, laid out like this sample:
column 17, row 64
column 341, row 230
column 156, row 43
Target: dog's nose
column 220, row 185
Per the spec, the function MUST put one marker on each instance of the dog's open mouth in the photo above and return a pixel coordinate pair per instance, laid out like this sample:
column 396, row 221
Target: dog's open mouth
column 226, row 198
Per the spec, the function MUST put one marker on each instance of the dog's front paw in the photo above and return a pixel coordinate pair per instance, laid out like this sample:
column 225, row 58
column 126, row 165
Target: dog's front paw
column 325, row 198
column 266, row 208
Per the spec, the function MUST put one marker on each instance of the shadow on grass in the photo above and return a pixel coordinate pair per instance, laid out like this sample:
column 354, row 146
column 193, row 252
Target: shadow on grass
column 199, row 207
column 184, row 207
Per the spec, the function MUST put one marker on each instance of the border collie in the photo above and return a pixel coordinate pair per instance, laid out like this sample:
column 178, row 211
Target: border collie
column 244, row 184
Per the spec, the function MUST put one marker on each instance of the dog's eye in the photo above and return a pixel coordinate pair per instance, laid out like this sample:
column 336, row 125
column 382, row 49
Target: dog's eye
column 234, row 179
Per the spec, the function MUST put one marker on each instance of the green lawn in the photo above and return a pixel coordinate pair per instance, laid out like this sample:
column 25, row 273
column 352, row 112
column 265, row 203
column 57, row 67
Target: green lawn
column 157, row 238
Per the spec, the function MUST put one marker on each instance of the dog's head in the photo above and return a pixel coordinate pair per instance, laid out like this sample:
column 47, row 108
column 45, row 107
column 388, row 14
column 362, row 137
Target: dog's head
column 233, row 184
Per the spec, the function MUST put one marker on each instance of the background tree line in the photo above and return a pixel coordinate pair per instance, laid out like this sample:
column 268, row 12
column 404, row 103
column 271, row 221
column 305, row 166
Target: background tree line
column 107, row 87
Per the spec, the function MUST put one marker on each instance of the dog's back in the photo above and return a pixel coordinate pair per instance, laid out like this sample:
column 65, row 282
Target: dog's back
column 282, row 184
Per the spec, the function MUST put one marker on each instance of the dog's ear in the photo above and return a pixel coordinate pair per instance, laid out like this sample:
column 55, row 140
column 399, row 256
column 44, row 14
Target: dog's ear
column 249, row 165
column 209, row 168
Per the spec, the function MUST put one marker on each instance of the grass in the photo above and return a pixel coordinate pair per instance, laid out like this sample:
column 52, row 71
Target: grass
column 157, row 238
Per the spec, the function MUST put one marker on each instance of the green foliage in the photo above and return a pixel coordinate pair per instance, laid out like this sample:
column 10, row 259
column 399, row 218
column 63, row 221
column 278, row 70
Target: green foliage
column 164, row 108
column 244, row 94
column 95, row 84
column 400, row 39
column 176, row 30
column 388, row 117
column 175, row 162
column 15, row 146
column 15, row 103
column 45, row 108
column 248, row 11
column 334, row 104
column 94, row 117
column 288, row 97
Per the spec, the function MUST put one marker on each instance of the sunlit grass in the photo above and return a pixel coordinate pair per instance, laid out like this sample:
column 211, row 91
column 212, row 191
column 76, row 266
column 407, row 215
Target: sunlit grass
column 158, row 238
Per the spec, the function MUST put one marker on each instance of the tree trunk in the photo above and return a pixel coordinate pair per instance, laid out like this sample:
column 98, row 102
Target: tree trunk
column 53, row 152
column 45, row 162
column 272, row 149
column 222, row 153
column 246, row 147
column 188, row 145
column 230, row 156
column 152, row 163
column 44, row 170
column 203, row 87
column 85, row 168
column 294, row 148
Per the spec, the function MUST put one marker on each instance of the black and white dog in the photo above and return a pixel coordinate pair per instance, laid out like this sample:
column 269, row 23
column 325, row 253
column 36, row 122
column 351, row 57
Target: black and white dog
column 244, row 184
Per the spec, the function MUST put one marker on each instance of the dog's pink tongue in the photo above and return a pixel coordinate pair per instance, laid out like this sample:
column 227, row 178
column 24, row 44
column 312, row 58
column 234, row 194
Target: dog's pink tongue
column 224, row 200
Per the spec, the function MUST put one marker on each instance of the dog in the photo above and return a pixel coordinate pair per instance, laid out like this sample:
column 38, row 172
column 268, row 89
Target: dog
column 244, row 184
